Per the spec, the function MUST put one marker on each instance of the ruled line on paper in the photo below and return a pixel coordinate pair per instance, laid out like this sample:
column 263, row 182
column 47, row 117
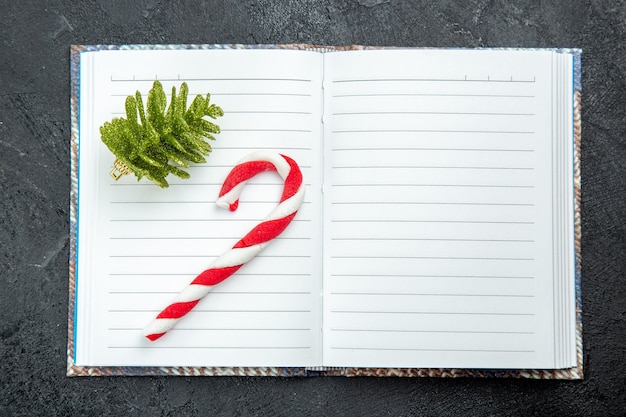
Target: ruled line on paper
column 164, row 202
column 389, row 94
column 524, row 132
column 134, row 79
column 400, row 239
column 198, row 310
column 264, row 112
column 204, row 256
column 195, row 238
column 432, row 276
column 214, row 95
column 448, row 113
column 429, row 221
column 470, row 258
column 282, row 148
column 336, row 149
column 435, row 313
column 431, row 350
column 260, row 293
column 308, row 148
column 267, row 112
column 195, row 184
column 142, row 274
column 199, row 166
column 218, row 329
column 261, row 94
column 430, row 294
column 202, row 202
column 394, row 239
column 377, row 330
column 471, row 80
column 435, row 203
column 432, row 185
column 231, row 347
column 198, row 220
column 428, row 167
column 267, row 130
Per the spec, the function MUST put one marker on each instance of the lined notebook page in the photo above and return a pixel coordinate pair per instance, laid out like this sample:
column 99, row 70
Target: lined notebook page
column 437, row 213
column 139, row 245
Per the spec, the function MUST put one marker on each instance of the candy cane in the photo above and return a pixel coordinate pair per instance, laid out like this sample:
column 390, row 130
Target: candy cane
column 250, row 245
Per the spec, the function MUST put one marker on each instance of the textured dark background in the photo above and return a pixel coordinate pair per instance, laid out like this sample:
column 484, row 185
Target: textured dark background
column 34, row 198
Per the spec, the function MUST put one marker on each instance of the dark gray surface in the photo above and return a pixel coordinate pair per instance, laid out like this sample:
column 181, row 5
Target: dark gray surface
column 34, row 198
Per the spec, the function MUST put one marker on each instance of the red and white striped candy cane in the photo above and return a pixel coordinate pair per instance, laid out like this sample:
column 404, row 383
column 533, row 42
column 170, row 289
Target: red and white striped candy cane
column 250, row 245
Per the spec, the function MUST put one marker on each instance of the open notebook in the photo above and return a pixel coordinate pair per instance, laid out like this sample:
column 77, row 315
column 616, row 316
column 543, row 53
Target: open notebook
column 439, row 234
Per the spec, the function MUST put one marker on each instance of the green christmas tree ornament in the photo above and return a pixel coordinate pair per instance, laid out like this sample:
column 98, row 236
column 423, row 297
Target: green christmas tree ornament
column 158, row 140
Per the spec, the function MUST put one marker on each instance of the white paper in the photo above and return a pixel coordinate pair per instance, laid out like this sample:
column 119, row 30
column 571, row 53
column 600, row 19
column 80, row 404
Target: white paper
column 140, row 245
column 437, row 218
